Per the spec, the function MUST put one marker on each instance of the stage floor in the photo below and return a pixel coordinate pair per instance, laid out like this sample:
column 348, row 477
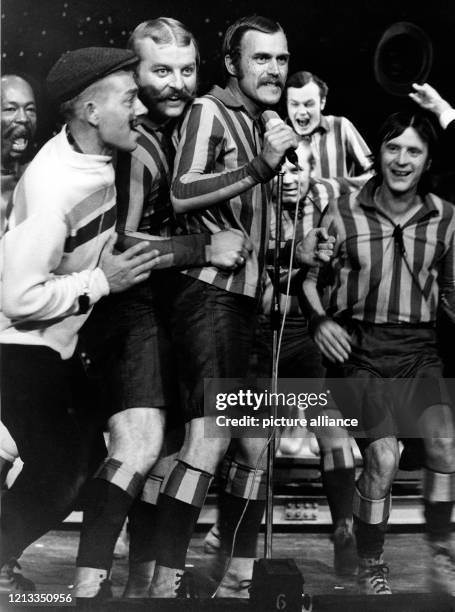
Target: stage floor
column 50, row 563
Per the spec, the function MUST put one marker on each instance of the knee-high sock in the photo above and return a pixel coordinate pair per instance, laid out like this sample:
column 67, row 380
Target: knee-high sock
column 142, row 522
column 108, row 498
column 370, row 523
column 179, row 504
column 338, row 479
column 239, row 517
column 438, row 497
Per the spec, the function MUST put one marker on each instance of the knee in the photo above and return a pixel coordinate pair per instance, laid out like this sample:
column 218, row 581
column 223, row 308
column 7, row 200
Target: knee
column 137, row 451
column 204, row 454
column 382, row 458
column 440, row 454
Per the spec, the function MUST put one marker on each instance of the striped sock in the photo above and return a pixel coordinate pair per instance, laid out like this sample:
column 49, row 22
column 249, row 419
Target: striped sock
column 243, row 482
column 338, row 479
column 179, row 504
column 108, row 496
column 142, row 522
column 370, row 523
column 438, row 498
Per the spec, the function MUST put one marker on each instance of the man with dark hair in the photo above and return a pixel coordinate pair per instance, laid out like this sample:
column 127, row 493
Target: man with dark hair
column 18, row 127
column 394, row 259
column 338, row 148
column 140, row 374
column 224, row 165
column 57, row 261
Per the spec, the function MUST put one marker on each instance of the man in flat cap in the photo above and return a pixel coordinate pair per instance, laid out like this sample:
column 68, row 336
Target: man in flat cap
column 57, row 261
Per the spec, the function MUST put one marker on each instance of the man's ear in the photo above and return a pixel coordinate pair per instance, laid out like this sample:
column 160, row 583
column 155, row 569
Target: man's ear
column 428, row 164
column 323, row 101
column 91, row 113
column 230, row 67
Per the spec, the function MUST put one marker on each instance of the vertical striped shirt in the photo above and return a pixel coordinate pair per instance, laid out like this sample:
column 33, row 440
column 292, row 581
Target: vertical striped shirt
column 339, row 149
column 143, row 180
column 218, row 167
column 385, row 272
column 312, row 206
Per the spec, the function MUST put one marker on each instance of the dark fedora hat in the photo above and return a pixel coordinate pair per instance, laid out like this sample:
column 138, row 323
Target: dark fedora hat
column 404, row 55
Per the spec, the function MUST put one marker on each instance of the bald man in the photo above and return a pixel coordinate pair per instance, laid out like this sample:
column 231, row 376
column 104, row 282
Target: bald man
column 18, row 127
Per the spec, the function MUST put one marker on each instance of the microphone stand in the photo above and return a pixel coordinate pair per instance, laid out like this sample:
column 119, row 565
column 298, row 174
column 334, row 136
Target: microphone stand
column 275, row 325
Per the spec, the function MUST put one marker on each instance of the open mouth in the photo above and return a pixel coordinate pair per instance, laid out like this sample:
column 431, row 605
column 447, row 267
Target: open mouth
column 302, row 123
column 19, row 144
column 401, row 173
column 274, row 84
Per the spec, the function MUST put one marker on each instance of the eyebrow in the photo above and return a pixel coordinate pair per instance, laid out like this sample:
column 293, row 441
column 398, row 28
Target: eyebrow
column 266, row 54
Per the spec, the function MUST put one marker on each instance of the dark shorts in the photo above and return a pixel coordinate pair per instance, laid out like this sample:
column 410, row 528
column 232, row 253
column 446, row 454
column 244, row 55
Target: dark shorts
column 213, row 332
column 127, row 339
column 407, row 354
column 47, row 404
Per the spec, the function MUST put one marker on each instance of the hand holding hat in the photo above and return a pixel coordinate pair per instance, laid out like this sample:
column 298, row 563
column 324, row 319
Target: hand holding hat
column 429, row 99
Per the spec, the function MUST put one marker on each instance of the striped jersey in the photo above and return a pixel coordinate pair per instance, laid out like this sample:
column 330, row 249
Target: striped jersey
column 310, row 212
column 218, row 167
column 386, row 272
column 338, row 149
column 143, row 180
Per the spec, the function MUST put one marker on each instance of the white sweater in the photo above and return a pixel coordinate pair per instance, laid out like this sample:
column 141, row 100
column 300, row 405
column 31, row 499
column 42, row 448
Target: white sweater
column 63, row 214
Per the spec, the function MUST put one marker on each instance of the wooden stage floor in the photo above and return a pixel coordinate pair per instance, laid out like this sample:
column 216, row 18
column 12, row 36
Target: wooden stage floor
column 50, row 564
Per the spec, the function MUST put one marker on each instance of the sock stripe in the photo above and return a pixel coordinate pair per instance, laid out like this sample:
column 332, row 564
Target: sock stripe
column 338, row 459
column 244, row 481
column 151, row 489
column 371, row 511
column 187, row 484
column 122, row 475
column 438, row 487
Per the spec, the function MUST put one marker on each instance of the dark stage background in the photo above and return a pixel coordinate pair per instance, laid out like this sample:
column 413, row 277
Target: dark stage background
column 334, row 39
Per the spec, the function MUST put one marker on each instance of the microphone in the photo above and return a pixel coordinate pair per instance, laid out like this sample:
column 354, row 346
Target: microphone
column 272, row 118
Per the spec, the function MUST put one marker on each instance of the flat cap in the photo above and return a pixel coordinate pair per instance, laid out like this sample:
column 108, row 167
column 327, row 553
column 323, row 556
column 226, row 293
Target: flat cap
column 76, row 70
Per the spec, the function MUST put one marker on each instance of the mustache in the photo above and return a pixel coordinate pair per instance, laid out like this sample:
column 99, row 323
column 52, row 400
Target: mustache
column 17, row 131
column 151, row 95
column 271, row 81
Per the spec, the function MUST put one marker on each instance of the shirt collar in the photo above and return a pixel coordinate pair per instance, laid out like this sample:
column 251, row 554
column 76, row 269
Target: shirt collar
column 226, row 96
column 323, row 124
column 366, row 197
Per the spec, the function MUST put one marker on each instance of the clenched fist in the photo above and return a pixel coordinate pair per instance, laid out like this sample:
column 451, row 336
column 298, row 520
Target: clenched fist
column 229, row 249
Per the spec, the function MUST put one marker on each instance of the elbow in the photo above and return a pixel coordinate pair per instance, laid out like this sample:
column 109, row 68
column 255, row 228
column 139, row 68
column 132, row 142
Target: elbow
column 180, row 206
column 179, row 209
column 13, row 308
column 19, row 305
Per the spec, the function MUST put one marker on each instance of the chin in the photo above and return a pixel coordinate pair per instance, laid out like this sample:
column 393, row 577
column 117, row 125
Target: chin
column 172, row 112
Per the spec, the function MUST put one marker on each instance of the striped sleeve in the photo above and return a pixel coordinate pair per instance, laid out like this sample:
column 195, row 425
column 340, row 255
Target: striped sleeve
column 357, row 149
column 197, row 182
column 447, row 274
